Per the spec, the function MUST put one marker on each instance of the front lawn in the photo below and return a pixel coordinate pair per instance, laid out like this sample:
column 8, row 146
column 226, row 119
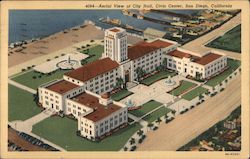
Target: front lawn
column 62, row 131
column 20, row 104
column 182, row 88
column 34, row 79
column 230, row 41
column 156, row 77
column 121, row 95
column 156, row 114
column 145, row 108
column 194, row 93
column 233, row 65
column 94, row 53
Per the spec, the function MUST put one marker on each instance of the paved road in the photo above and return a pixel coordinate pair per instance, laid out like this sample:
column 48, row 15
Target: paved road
column 197, row 45
column 184, row 128
column 22, row 86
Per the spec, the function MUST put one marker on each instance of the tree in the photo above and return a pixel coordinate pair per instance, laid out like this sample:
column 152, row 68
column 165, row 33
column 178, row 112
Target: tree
column 173, row 112
column 36, row 97
column 164, row 63
column 158, row 120
column 140, row 133
column 201, row 97
column 132, row 141
column 150, row 125
column 140, row 73
column 119, row 83
column 125, row 148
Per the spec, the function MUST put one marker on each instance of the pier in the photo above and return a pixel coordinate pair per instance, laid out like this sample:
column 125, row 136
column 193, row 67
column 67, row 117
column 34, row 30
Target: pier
column 117, row 23
column 174, row 15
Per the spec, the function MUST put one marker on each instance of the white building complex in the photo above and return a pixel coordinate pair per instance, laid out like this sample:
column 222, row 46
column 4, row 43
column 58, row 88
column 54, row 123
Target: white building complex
column 84, row 92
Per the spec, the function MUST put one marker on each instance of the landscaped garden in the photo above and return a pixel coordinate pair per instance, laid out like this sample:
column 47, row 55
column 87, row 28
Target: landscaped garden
column 230, row 41
column 157, row 114
column 156, row 77
column 182, row 88
column 34, row 79
column 145, row 108
column 233, row 65
column 62, row 131
column 21, row 105
column 194, row 93
column 94, row 54
column 121, row 94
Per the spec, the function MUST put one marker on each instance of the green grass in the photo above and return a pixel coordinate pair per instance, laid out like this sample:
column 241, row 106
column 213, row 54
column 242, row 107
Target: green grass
column 147, row 107
column 62, row 131
column 194, row 93
column 94, row 53
column 156, row 77
column 27, row 78
column 21, row 105
column 230, row 41
column 156, row 114
column 121, row 94
column 184, row 86
column 233, row 65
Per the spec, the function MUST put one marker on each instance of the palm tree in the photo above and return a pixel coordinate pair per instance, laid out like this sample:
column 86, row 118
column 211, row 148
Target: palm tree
column 132, row 141
column 119, row 83
column 140, row 133
column 140, row 73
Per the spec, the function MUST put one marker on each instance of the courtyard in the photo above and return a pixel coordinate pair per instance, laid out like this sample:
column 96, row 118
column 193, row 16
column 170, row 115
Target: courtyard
column 156, row 77
column 62, row 131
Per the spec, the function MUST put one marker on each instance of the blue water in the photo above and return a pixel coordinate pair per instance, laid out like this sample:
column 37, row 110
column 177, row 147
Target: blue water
column 28, row 24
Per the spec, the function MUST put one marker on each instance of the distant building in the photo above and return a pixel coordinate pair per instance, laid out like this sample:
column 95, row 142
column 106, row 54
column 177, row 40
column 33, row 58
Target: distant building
column 151, row 33
column 230, row 124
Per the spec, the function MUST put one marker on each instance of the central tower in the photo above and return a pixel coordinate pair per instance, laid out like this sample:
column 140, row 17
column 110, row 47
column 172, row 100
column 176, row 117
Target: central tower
column 115, row 44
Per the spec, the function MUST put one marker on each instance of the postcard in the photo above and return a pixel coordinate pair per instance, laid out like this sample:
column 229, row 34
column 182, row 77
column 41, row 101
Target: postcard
column 110, row 79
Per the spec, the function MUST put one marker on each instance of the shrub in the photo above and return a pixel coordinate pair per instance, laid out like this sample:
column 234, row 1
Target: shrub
column 133, row 148
column 48, row 59
column 125, row 148
column 192, row 106
column 92, row 41
column 56, row 57
column 23, row 69
column 34, row 77
column 155, row 128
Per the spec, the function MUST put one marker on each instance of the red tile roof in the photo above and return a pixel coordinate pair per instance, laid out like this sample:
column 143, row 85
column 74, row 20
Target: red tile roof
column 100, row 111
column 93, row 69
column 204, row 60
column 143, row 48
column 115, row 30
column 207, row 58
column 181, row 54
column 62, row 87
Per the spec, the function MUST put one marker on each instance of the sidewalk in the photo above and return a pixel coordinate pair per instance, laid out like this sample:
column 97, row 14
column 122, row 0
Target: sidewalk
column 22, row 86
